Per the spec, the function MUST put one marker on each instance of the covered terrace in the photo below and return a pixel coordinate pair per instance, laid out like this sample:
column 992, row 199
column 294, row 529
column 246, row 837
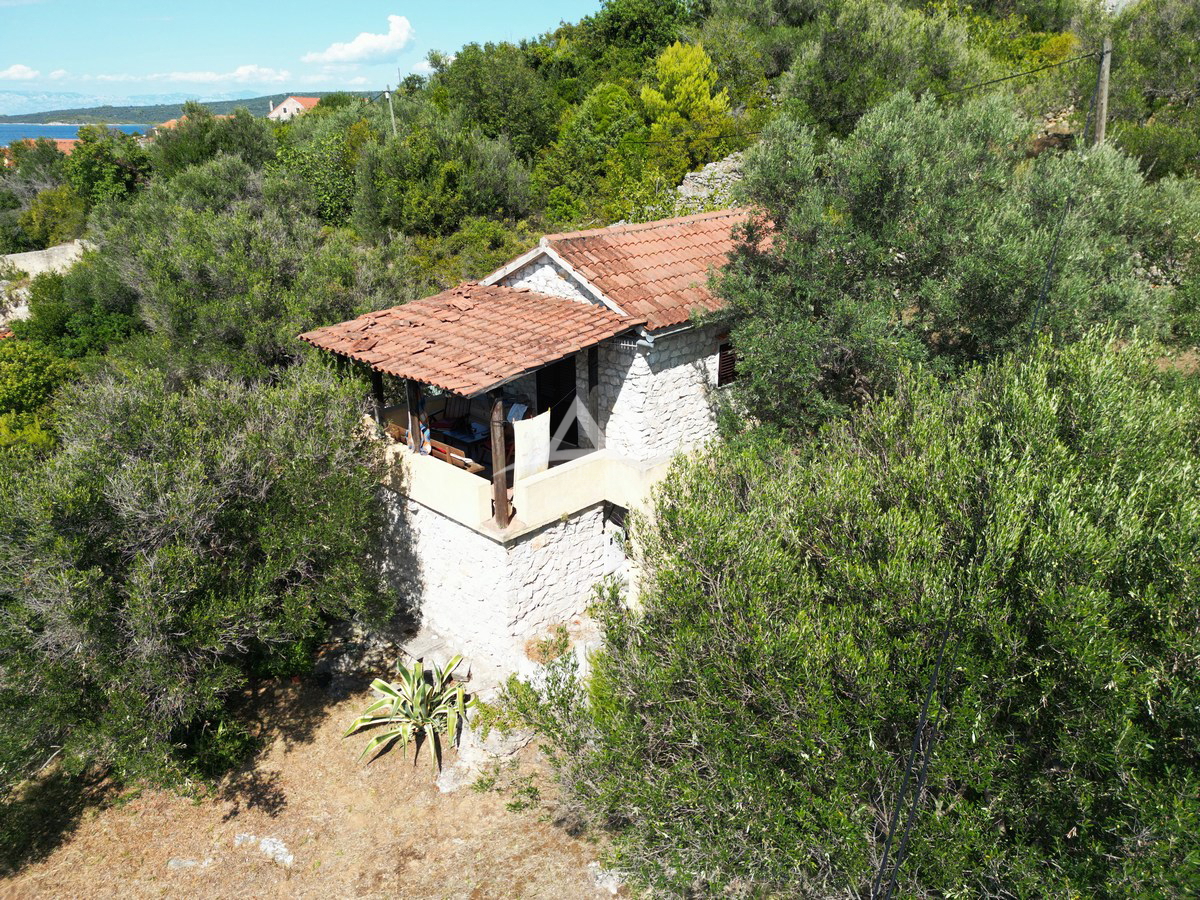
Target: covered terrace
column 487, row 377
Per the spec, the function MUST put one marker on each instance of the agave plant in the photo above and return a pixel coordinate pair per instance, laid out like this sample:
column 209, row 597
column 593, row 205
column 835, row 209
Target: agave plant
column 418, row 706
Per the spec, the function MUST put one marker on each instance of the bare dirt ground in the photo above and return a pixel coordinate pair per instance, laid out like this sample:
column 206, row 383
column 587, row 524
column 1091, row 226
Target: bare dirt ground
column 305, row 819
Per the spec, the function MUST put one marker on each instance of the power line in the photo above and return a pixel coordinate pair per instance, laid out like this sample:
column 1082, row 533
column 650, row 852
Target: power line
column 982, row 84
column 951, row 619
column 861, row 112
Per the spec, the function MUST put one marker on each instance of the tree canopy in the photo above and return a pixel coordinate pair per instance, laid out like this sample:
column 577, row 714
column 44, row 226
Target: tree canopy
column 172, row 537
column 926, row 235
column 745, row 726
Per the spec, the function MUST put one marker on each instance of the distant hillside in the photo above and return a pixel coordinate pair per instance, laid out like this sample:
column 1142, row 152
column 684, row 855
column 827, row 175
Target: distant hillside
column 146, row 115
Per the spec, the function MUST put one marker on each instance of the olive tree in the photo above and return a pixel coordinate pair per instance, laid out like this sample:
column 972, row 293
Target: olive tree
column 745, row 726
column 176, row 535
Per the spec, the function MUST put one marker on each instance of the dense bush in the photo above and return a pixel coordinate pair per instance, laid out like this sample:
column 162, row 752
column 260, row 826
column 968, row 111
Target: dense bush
column 746, row 728
column 174, row 535
column 55, row 216
column 863, row 51
column 30, row 375
column 436, row 174
column 82, row 312
column 497, row 91
column 198, row 136
column 229, row 265
column 106, row 164
column 926, row 235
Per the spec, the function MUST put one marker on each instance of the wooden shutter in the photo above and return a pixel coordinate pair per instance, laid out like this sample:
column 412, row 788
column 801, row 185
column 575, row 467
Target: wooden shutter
column 726, row 364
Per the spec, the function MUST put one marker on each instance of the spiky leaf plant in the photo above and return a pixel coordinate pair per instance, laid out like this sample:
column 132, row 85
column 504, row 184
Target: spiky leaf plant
column 420, row 705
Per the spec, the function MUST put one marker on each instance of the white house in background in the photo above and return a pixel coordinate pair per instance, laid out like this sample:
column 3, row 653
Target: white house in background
column 557, row 390
column 292, row 107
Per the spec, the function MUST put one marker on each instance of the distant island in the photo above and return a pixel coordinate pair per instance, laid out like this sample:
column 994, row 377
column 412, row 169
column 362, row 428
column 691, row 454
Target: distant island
column 144, row 115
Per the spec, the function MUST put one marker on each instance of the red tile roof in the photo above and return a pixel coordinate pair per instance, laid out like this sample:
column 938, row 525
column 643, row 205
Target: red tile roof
column 5, row 332
column 472, row 337
column 306, row 102
column 64, row 145
column 657, row 270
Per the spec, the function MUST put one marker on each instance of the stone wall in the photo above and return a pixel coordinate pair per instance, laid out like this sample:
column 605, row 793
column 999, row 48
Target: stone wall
column 647, row 404
column 658, row 402
column 554, row 570
column 461, row 577
column 543, row 276
column 14, row 296
column 491, row 598
column 716, row 186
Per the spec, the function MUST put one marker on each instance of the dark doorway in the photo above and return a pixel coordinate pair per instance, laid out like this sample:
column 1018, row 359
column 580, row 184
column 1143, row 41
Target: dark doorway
column 556, row 392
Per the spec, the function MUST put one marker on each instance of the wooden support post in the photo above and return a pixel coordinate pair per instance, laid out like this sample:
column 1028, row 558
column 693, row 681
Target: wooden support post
column 593, row 398
column 412, row 396
column 1102, row 92
column 377, row 394
column 499, row 465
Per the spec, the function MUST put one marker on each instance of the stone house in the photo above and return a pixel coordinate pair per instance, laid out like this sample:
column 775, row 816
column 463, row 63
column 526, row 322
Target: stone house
column 291, row 107
column 528, row 413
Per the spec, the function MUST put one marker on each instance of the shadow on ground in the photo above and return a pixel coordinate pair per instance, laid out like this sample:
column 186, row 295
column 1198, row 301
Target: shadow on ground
column 43, row 814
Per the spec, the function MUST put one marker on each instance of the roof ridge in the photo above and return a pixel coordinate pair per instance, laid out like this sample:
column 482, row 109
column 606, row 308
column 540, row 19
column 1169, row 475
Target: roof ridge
column 649, row 226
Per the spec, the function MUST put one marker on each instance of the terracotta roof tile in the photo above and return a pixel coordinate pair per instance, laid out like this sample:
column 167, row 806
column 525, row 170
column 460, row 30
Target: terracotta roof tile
column 472, row 337
column 5, row 332
column 656, row 270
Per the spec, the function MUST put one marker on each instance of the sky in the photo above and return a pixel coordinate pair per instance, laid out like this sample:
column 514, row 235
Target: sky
column 134, row 48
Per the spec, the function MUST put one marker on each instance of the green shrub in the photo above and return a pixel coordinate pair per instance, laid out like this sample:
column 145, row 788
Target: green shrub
column 82, row 312
column 176, row 529
column 746, row 728
column 925, row 236
column 29, row 376
column 217, row 748
column 55, row 216
column 418, row 707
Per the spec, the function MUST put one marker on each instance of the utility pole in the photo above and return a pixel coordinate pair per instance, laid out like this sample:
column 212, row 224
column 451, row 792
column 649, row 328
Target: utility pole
column 388, row 94
column 1102, row 91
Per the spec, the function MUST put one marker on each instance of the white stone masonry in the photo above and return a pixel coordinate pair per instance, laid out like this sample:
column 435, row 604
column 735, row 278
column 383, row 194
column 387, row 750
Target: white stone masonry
column 492, row 598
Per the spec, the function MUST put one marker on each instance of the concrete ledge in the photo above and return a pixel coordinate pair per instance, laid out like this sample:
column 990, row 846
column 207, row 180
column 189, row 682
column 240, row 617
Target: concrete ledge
column 550, row 496
column 453, row 492
column 580, row 484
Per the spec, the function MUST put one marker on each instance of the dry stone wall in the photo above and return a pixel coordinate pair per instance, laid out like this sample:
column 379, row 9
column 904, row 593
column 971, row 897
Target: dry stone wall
column 492, row 598
column 659, row 402
column 14, row 296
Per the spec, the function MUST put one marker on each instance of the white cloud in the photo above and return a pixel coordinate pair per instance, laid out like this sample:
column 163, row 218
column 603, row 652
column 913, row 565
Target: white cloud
column 18, row 72
column 59, row 74
column 424, row 67
column 358, row 80
column 367, row 46
column 240, row 75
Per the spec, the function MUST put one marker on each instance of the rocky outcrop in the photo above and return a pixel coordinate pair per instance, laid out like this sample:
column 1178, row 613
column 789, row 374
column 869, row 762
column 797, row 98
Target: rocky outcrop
column 1056, row 132
column 713, row 187
column 14, row 293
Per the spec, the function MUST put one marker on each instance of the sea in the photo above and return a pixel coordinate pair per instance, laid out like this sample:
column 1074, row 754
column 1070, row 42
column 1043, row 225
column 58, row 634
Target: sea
column 17, row 132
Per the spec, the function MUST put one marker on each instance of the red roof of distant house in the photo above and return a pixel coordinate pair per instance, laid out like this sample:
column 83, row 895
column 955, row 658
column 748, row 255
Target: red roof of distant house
column 655, row 270
column 306, row 102
column 5, row 333
column 472, row 337
column 63, row 145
